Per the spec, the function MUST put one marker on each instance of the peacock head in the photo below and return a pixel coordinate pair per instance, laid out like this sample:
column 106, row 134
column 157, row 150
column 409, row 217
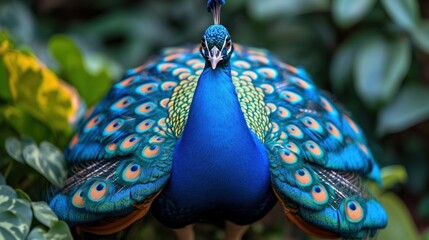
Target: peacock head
column 216, row 45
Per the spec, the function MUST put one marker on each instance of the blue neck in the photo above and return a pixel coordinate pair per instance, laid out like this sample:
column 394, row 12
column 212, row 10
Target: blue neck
column 217, row 151
column 216, row 121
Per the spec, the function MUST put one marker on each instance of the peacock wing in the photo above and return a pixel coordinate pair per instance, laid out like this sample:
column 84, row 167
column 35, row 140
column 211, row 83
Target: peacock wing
column 121, row 156
column 318, row 155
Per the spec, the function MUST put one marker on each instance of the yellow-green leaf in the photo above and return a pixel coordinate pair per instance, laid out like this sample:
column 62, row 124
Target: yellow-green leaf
column 400, row 223
column 37, row 91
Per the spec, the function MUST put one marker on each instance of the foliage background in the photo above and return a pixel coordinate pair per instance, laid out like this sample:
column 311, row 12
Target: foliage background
column 372, row 55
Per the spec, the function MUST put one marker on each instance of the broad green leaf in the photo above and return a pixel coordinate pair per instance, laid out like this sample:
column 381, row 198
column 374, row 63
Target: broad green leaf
column 12, row 227
column 400, row 223
column 344, row 58
column 421, row 36
column 48, row 161
column 347, row 13
column 6, row 191
column 90, row 86
column 380, row 67
column 392, row 175
column 44, row 214
column 37, row 233
column 38, row 91
column 14, row 149
column 404, row 12
column 408, row 108
column 59, row 231
column 15, row 214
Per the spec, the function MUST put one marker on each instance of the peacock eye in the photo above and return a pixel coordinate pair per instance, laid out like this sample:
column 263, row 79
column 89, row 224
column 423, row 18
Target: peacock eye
column 203, row 45
column 228, row 44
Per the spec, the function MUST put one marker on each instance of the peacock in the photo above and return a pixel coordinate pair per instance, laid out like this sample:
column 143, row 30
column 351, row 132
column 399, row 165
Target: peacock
column 219, row 132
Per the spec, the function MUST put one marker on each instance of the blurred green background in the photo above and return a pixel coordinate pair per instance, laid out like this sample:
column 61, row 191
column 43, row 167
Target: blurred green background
column 372, row 55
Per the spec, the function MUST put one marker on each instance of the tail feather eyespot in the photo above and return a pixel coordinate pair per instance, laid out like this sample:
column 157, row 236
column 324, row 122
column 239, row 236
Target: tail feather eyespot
column 333, row 130
column 97, row 191
column 132, row 172
column 292, row 146
column 269, row 73
column 164, row 102
column 354, row 211
column 111, row 148
column 303, row 177
column 166, row 86
column 126, row 82
column 291, row 97
column 113, row 126
column 241, row 64
column 313, row 124
column 151, row 151
column 301, row 83
column 268, row 88
column 78, row 200
column 93, row 122
column 328, row 106
column 295, row 131
column 288, row 157
column 147, row 88
column 145, row 108
column 129, row 142
column 145, row 125
column 319, row 194
column 314, row 148
column 156, row 139
column 283, row 112
column 122, row 103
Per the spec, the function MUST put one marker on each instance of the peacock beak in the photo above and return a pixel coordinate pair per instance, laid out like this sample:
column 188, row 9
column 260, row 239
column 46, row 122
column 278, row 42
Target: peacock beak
column 215, row 57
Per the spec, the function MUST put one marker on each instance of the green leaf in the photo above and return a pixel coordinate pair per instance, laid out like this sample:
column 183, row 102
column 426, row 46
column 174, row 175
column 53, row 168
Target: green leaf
column 25, row 124
column 380, row 68
column 14, row 149
column 347, row 13
column 15, row 214
column 48, row 161
column 12, row 227
column 91, row 86
column 23, row 194
column 6, row 191
column 344, row 58
column 426, row 235
column 392, row 175
column 421, row 36
column 405, row 13
column 44, row 213
column 410, row 107
column 59, row 231
column 38, row 92
column 37, row 233
column 400, row 223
